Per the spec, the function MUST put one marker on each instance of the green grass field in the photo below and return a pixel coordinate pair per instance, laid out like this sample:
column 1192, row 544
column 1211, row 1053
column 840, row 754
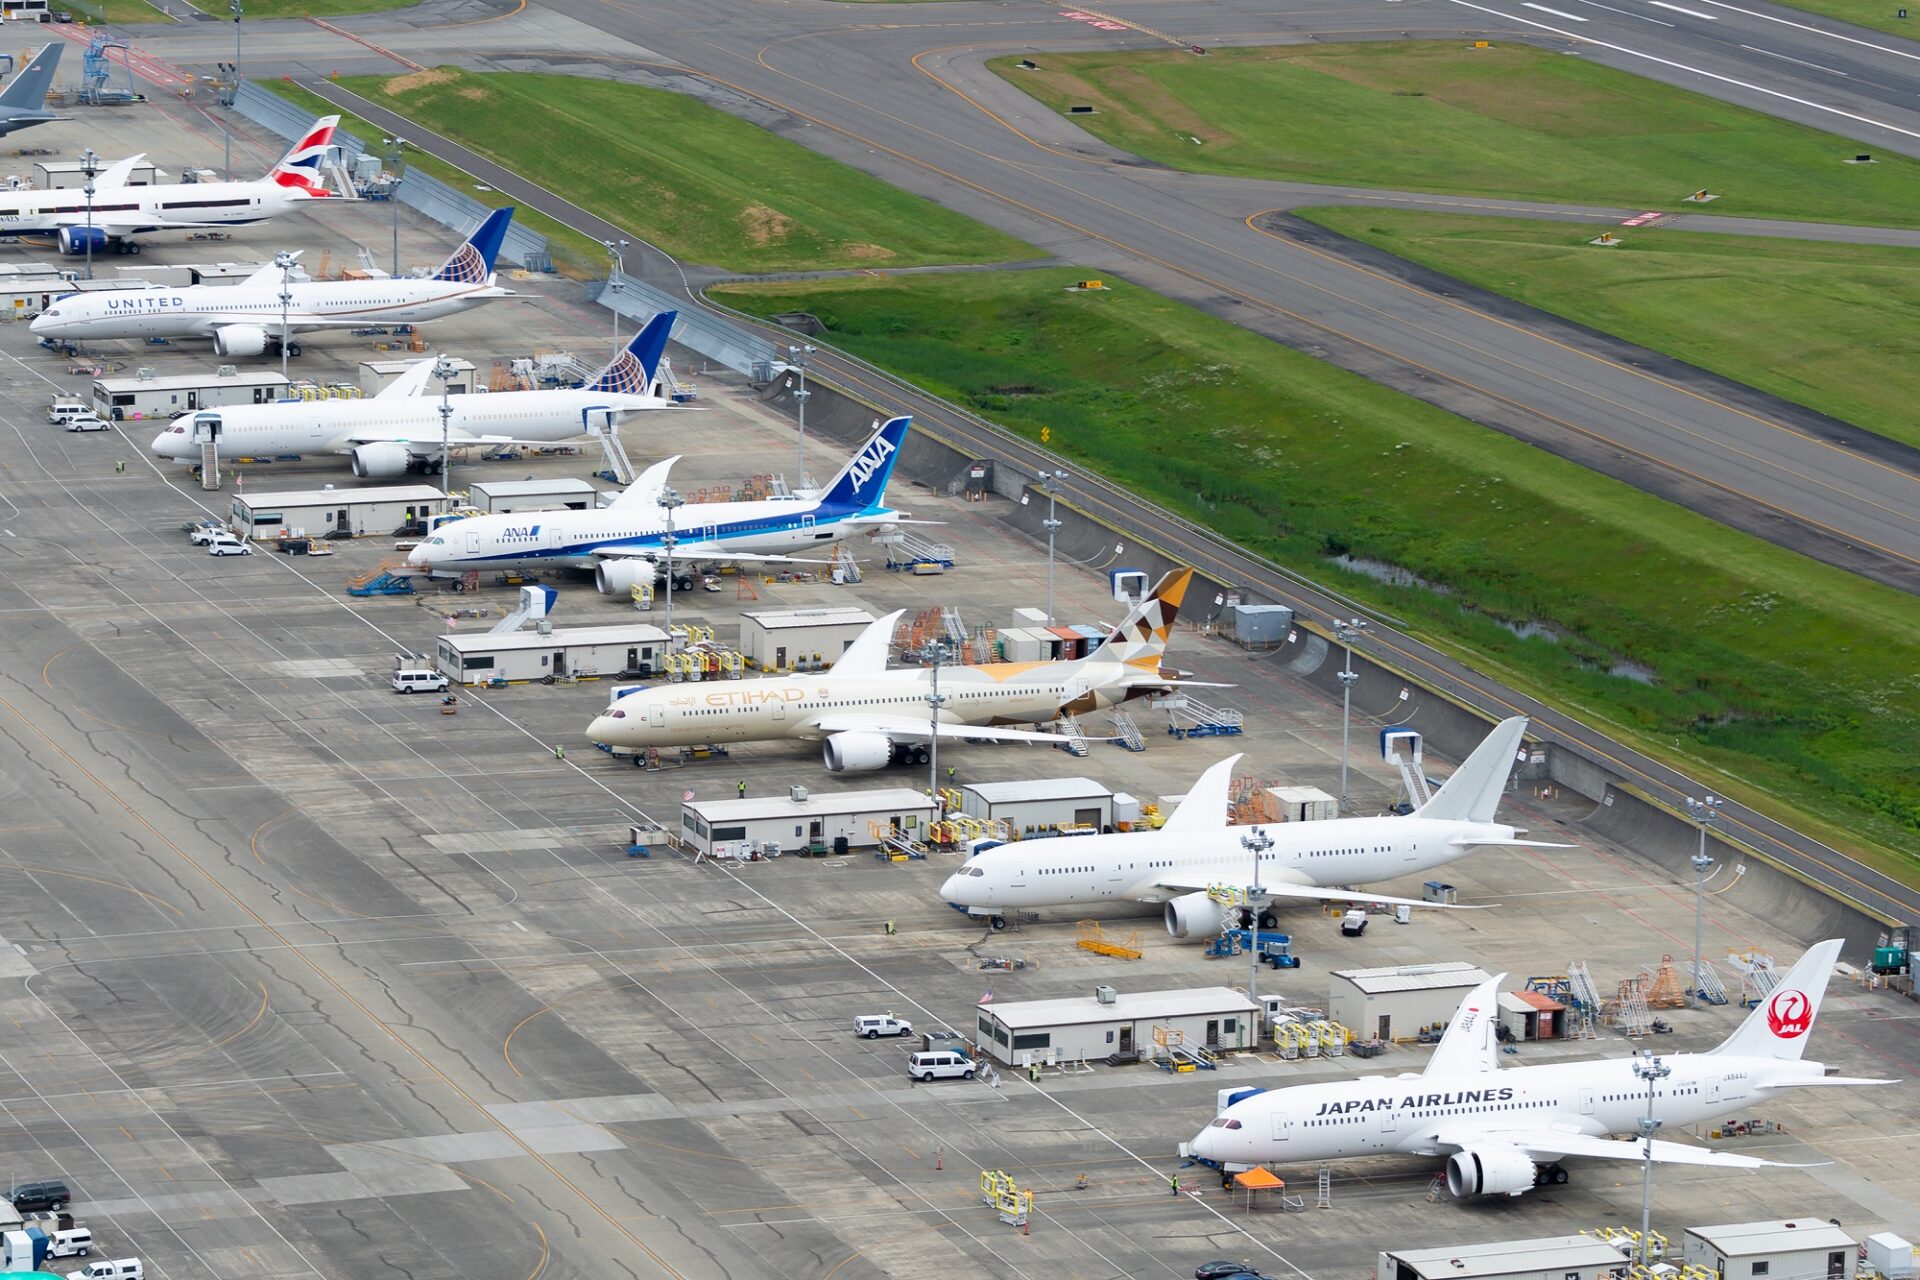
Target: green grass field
column 114, row 13
column 1874, row 14
column 1794, row 681
column 1835, row 327
column 701, row 184
column 300, row 8
column 1508, row 121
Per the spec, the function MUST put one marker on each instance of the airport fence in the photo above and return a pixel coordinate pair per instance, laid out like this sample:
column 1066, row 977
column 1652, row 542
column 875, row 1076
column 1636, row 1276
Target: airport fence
column 418, row 191
column 697, row 329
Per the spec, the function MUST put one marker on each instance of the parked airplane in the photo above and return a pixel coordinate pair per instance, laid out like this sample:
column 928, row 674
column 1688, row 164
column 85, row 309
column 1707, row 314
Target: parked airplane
column 25, row 101
column 1504, row 1131
column 399, row 430
column 869, row 716
column 626, row 542
column 1197, row 851
column 119, row 212
column 243, row 318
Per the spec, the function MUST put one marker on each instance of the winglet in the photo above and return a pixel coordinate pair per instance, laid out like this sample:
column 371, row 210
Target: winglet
column 411, row 382
column 644, row 493
column 867, row 655
column 1468, row 1045
column 1205, row 806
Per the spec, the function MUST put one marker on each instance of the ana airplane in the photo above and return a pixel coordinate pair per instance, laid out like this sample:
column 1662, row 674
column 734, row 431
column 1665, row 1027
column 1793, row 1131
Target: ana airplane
column 1196, row 851
column 243, row 318
column 1504, row 1131
column 25, row 101
column 868, row 716
column 626, row 542
column 399, row 430
column 118, row 212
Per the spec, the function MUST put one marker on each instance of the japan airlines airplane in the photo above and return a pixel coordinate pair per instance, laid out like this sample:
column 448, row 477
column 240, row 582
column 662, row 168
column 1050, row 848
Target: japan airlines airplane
column 626, row 542
column 25, row 101
column 1196, row 851
column 868, row 716
column 243, row 318
column 118, row 211
column 1504, row 1131
column 399, row 430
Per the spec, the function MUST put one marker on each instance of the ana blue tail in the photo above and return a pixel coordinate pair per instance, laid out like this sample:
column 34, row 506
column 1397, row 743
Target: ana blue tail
column 632, row 371
column 472, row 262
column 862, row 483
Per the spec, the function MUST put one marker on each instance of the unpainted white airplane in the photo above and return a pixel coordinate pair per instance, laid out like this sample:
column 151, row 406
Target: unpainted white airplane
column 1503, row 1132
column 1190, row 861
column 242, row 319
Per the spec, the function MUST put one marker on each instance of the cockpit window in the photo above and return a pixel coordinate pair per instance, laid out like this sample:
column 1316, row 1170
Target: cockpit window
column 617, row 714
column 436, row 542
column 975, row 871
column 1224, row 1123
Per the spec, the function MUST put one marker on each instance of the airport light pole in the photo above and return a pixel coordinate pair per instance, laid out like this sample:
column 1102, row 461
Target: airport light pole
column 1348, row 632
column 443, row 369
column 617, row 253
column 935, row 700
column 797, row 361
column 669, row 500
column 234, row 7
column 284, row 261
column 1050, row 484
column 1705, row 812
column 89, row 165
column 1257, row 843
column 396, row 147
column 1652, row 1070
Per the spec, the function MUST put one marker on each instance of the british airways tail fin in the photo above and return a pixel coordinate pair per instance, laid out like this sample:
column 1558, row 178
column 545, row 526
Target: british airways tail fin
column 862, row 483
column 472, row 262
column 1781, row 1024
column 300, row 169
column 28, row 92
column 1473, row 793
column 631, row 373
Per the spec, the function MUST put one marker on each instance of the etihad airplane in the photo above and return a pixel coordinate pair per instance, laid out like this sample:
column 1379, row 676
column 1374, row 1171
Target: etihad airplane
column 399, row 430
column 242, row 319
column 1196, row 854
column 118, row 212
column 625, row 543
column 25, row 101
column 867, row 716
column 1503, row 1132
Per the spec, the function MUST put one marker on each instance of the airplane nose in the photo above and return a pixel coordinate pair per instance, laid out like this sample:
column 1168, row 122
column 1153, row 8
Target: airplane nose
column 1202, row 1146
column 159, row 445
column 950, row 891
column 600, row 728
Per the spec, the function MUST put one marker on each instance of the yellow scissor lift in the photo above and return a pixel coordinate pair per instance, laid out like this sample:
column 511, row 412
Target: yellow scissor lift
column 1013, row 1202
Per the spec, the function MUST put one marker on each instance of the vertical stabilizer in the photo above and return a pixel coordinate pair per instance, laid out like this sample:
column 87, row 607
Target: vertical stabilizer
column 300, row 169
column 1141, row 638
column 472, row 262
column 28, row 92
column 1780, row 1025
column 1473, row 793
column 862, row 483
column 631, row 373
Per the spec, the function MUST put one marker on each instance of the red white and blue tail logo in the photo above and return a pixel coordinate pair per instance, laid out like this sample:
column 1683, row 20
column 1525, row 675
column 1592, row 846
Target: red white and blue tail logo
column 300, row 169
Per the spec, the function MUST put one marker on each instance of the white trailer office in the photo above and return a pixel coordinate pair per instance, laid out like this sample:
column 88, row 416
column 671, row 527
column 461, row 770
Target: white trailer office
column 150, row 395
column 1040, row 803
column 1394, row 1002
column 318, row 513
column 499, row 497
column 1551, row 1258
column 838, row 821
column 1111, row 1022
column 776, row 639
column 476, row 657
column 1785, row 1249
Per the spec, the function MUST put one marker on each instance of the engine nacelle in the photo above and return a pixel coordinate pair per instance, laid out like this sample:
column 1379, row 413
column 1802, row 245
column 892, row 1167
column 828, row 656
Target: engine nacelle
column 75, row 240
column 857, row 752
column 1195, row 915
column 239, row 340
column 381, row 460
column 620, row 577
column 1489, row 1173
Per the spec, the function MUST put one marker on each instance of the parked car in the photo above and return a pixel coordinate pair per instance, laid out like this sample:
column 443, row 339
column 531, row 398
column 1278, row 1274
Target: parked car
column 74, row 1243
column 111, row 1269
column 48, row 1194
column 874, row 1025
column 87, row 422
column 1224, row 1271
column 225, row 544
column 201, row 532
column 941, row 1064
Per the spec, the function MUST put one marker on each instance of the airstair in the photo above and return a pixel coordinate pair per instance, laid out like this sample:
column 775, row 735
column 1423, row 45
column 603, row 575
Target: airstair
column 535, row 602
column 1126, row 731
column 209, row 464
column 1073, row 737
column 956, row 630
column 1401, row 747
column 1630, row 1015
column 910, row 551
column 619, row 466
column 1708, row 985
column 671, row 387
column 1585, row 999
column 846, row 570
column 388, row 578
column 564, row 369
column 1758, row 977
column 1188, row 717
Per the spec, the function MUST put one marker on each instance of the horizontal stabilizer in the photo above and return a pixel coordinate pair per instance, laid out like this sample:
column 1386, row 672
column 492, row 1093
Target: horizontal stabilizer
column 1490, row 842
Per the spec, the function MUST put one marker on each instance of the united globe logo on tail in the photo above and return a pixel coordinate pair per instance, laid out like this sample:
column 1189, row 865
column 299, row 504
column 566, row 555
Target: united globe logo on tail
column 466, row 266
column 1789, row 1014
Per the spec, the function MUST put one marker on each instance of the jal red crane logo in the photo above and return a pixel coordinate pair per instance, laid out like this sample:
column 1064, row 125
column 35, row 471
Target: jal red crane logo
column 1789, row 1014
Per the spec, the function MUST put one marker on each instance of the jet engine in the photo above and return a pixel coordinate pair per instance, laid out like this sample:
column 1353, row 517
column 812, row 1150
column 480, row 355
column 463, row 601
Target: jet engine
column 619, row 577
column 1195, row 915
column 74, row 240
column 857, row 752
column 1489, row 1173
column 380, row 460
column 239, row 340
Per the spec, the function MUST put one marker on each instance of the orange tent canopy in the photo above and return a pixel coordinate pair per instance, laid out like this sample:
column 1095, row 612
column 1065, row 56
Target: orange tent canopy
column 1259, row 1180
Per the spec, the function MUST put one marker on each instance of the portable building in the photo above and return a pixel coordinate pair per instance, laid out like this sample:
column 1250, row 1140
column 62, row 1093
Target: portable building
column 1395, row 1002
column 28, row 288
column 478, row 657
column 149, row 395
column 1037, row 804
column 1790, row 1249
column 499, row 497
column 184, row 274
column 1113, row 1022
column 378, row 509
column 1023, row 644
column 71, row 175
column 376, row 374
column 1259, row 626
column 1530, row 1015
column 1069, row 644
column 802, row 819
column 777, row 639
column 1304, row 804
column 1029, row 617
column 1551, row 1258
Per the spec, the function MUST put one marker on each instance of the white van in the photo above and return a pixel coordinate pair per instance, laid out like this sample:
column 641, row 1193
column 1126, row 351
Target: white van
column 416, row 681
column 65, row 407
column 940, row 1064
column 110, row 1269
column 77, row 1243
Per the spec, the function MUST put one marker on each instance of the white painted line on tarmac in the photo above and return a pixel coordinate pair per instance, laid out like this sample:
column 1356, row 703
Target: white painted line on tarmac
column 1691, row 13
column 1658, row 22
column 1818, row 31
column 1555, row 12
column 1698, row 71
column 1832, row 71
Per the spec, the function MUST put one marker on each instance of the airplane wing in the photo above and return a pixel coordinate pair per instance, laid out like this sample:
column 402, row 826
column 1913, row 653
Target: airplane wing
column 909, row 728
column 1174, row 886
column 1551, row 1144
column 425, row 444
column 867, row 655
column 1205, row 805
column 688, row 552
column 1503, row 842
column 1468, row 1045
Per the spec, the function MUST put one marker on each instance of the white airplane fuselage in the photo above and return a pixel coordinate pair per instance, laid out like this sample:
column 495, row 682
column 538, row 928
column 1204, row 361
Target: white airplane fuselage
column 1127, row 867
column 331, row 426
column 1387, row 1114
column 192, row 204
column 199, row 310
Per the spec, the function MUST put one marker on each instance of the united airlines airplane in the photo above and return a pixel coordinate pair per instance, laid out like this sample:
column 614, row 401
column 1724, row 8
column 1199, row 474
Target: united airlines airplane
column 1503, row 1132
